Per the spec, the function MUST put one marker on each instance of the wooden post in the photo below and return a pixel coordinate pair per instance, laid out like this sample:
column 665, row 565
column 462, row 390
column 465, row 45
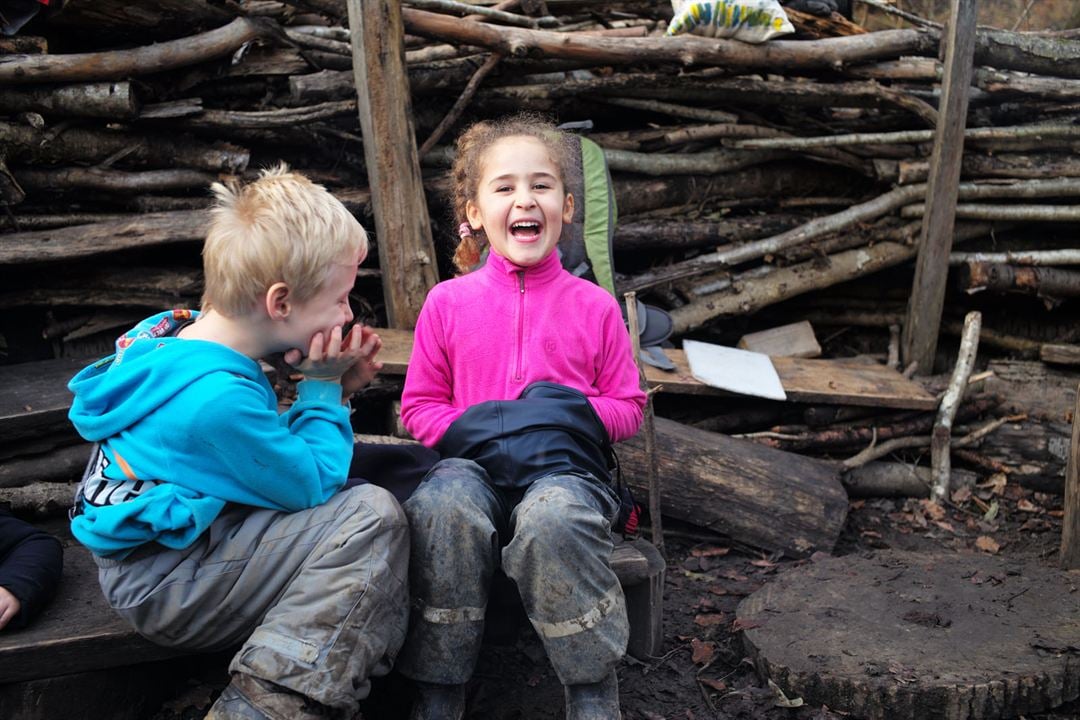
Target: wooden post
column 402, row 224
column 647, row 426
column 1070, row 526
column 932, row 266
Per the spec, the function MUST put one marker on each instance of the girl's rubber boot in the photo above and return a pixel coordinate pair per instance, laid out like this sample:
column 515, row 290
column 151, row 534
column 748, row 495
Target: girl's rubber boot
column 594, row 701
column 438, row 702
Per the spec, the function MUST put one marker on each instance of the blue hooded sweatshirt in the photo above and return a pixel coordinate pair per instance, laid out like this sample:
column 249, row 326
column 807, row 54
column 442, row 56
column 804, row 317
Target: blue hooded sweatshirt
column 186, row 426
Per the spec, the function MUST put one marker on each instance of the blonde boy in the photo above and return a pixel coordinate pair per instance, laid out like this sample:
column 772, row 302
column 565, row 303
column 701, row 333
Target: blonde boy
column 214, row 520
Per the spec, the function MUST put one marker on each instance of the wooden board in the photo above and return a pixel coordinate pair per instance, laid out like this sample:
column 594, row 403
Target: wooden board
column 78, row 631
column 804, row 380
column 908, row 636
column 35, row 396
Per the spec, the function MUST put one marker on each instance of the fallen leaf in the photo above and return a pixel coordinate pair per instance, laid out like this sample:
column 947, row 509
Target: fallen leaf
column 856, row 504
column 718, row 590
column 711, row 551
column 713, row 683
column 944, row 525
column 783, row 700
column 702, row 652
column 991, row 512
column 869, row 533
column 762, row 563
column 961, row 495
column 709, row 619
column 932, row 509
column 1027, row 506
column 741, row 624
column 987, row 544
column 995, row 483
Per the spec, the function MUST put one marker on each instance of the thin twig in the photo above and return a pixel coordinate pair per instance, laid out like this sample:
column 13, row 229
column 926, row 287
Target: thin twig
column 459, row 105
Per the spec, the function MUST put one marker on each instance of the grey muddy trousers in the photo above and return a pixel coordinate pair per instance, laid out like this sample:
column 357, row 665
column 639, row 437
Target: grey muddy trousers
column 558, row 552
column 318, row 597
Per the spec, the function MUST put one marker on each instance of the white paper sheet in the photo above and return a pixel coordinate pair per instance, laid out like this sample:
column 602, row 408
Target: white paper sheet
column 734, row 370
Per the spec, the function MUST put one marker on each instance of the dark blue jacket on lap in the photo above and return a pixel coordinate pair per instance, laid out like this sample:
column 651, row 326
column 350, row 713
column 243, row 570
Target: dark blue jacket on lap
column 550, row 429
column 30, row 564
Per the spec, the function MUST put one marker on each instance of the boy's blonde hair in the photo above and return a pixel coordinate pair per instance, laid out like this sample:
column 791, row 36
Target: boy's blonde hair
column 280, row 228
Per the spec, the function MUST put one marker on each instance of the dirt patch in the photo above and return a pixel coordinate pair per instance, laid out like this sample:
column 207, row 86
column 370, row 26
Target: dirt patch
column 704, row 672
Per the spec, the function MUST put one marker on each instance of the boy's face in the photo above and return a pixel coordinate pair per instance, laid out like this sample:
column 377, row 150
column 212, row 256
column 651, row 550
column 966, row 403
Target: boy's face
column 327, row 309
column 520, row 202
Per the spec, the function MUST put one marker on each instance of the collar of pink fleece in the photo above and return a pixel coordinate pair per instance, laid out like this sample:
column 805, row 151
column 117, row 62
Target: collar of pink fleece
column 502, row 270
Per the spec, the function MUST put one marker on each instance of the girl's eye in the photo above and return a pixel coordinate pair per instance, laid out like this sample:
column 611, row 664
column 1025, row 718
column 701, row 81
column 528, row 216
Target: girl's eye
column 541, row 186
column 503, row 188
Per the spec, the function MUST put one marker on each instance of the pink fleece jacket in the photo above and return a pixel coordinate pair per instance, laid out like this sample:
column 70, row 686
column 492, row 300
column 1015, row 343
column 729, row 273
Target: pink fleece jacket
column 489, row 334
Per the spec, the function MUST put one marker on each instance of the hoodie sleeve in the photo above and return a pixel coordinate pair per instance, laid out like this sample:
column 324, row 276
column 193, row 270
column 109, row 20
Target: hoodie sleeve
column 242, row 451
column 31, row 561
column 427, row 408
column 621, row 401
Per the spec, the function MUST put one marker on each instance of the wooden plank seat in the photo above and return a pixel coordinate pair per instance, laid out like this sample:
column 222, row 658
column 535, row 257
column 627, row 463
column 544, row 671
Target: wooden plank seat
column 78, row 632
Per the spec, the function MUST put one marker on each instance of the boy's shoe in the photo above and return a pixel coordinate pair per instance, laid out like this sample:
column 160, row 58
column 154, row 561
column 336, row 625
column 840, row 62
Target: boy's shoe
column 594, row 701
column 247, row 697
column 438, row 702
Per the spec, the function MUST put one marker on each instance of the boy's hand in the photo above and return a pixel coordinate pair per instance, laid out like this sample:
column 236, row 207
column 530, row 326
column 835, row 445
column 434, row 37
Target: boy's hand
column 328, row 357
column 9, row 606
column 363, row 370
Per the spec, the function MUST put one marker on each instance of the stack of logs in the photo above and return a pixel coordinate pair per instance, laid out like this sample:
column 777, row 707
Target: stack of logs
column 745, row 175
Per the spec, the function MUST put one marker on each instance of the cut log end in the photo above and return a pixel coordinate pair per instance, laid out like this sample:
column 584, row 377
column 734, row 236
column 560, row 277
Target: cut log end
column 907, row 636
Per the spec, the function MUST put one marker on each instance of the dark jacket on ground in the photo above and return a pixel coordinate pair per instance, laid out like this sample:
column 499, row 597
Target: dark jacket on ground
column 30, row 564
column 550, row 429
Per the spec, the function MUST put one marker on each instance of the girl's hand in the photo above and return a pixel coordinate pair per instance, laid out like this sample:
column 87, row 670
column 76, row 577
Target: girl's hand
column 363, row 370
column 9, row 606
column 328, row 357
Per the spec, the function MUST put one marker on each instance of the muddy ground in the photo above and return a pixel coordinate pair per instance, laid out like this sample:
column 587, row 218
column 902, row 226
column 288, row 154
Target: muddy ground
column 703, row 672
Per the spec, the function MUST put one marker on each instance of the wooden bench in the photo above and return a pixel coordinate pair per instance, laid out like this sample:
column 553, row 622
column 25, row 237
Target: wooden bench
column 79, row 656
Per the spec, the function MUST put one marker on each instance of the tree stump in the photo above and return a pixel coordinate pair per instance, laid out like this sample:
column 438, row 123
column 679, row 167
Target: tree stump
column 910, row 636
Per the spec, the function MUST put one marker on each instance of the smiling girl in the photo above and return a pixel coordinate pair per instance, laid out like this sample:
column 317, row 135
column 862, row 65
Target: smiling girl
column 522, row 376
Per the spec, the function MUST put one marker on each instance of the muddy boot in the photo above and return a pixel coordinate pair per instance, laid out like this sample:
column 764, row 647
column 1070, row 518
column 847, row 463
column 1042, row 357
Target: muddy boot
column 594, row 701
column 438, row 702
column 247, row 697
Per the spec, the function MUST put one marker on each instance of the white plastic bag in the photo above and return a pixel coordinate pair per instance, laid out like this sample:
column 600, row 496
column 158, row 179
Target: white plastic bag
column 752, row 21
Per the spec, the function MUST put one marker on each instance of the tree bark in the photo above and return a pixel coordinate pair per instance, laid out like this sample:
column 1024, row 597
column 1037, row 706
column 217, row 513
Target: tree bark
column 28, row 145
column 756, row 495
column 109, row 100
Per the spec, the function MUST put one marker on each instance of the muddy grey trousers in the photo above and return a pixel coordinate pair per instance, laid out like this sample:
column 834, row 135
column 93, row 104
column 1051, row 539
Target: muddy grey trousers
column 319, row 597
column 557, row 550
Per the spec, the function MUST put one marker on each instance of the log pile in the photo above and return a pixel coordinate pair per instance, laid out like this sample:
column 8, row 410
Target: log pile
column 756, row 185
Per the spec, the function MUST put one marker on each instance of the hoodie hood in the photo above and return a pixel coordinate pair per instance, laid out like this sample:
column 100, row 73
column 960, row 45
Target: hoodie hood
column 106, row 402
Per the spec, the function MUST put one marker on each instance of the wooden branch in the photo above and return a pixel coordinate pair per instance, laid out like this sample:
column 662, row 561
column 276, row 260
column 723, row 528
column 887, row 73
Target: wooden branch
column 672, row 109
column 67, row 145
column 648, row 428
column 713, row 162
column 506, row 18
column 113, row 180
column 268, row 119
column 1019, row 257
column 1000, row 165
column 89, row 240
column 999, row 49
column 789, row 282
column 111, row 100
column 459, row 105
column 121, row 64
column 954, row 394
column 683, row 50
column 1012, row 213
column 998, row 277
column 907, row 136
